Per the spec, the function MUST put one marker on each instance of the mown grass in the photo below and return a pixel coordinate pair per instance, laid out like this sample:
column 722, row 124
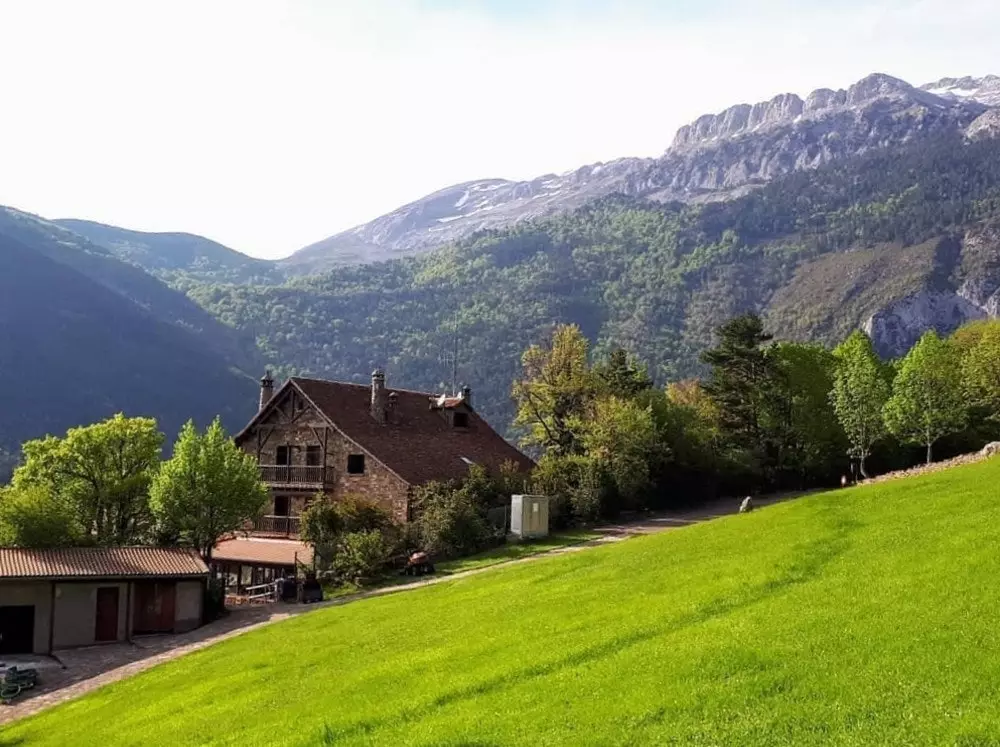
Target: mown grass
column 864, row 616
column 518, row 550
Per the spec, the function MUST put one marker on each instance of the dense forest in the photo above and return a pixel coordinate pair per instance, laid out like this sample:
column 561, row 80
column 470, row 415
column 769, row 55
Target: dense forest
column 655, row 279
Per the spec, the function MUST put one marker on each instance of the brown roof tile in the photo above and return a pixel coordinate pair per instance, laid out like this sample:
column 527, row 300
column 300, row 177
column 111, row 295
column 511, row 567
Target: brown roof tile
column 100, row 562
column 263, row 551
column 418, row 443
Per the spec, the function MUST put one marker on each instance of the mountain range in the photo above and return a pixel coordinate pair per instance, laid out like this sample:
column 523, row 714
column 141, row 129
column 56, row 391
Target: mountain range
column 877, row 205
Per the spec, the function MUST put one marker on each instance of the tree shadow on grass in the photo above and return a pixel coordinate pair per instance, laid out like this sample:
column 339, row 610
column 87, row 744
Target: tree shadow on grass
column 814, row 557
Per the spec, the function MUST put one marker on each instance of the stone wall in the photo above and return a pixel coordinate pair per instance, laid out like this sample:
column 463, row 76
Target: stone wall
column 307, row 428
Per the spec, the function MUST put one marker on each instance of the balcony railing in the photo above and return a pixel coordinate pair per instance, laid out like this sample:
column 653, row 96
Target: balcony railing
column 287, row 526
column 289, row 473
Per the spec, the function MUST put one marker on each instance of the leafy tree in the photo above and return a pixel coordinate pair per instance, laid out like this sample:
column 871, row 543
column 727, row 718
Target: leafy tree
column 36, row 517
column 927, row 400
column 554, row 391
column 103, row 471
column 575, row 485
column 621, row 437
column 981, row 368
column 209, row 487
column 860, row 391
column 360, row 556
column 326, row 522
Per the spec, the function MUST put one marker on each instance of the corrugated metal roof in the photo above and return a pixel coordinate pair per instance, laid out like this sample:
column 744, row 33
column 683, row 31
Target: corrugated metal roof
column 100, row 562
column 251, row 550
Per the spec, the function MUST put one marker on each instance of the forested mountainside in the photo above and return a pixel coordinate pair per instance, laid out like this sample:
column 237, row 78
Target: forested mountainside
column 172, row 256
column 717, row 156
column 907, row 235
column 83, row 336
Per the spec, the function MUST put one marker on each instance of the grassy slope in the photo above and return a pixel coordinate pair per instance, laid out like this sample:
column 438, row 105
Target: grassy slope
column 863, row 616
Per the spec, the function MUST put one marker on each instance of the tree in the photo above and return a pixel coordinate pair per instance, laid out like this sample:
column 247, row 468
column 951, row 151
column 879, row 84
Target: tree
column 326, row 524
column 554, row 391
column 207, row 488
column 812, row 439
column 36, row 517
column 621, row 437
column 621, row 376
column 860, row 391
column 927, row 400
column 742, row 385
column 981, row 367
column 103, row 471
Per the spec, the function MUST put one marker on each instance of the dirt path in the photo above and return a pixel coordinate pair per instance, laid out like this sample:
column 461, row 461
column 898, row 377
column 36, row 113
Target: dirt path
column 87, row 669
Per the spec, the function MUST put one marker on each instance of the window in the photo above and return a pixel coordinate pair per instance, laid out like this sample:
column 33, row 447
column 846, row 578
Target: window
column 313, row 456
column 283, row 455
column 460, row 420
column 356, row 464
column 281, row 505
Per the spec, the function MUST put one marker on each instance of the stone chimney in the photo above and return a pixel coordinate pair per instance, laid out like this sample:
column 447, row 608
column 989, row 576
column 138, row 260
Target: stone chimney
column 266, row 389
column 467, row 394
column 378, row 396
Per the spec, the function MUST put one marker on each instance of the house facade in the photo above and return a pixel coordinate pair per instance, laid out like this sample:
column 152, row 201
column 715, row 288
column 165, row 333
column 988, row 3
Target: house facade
column 312, row 436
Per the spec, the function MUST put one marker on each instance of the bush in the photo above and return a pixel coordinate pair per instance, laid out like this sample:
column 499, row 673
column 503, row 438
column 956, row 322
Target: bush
column 214, row 597
column 361, row 556
column 576, row 488
column 326, row 523
column 449, row 523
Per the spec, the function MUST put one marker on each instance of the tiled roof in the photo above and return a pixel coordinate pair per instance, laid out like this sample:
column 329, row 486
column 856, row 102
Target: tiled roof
column 252, row 550
column 418, row 443
column 100, row 562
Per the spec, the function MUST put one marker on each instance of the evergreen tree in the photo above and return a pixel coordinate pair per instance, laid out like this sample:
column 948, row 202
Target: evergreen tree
column 860, row 391
column 209, row 487
column 621, row 376
column 927, row 400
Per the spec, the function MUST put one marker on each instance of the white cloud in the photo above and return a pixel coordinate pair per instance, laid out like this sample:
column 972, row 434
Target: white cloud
column 268, row 125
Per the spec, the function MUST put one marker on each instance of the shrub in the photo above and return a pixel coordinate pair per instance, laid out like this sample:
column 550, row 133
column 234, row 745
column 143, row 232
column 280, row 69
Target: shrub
column 326, row 522
column 449, row 522
column 361, row 556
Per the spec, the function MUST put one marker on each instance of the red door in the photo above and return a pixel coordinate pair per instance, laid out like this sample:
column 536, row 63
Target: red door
column 107, row 614
column 154, row 607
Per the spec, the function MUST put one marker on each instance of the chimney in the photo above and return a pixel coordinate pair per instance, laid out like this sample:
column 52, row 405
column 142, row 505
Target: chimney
column 266, row 389
column 467, row 395
column 378, row 396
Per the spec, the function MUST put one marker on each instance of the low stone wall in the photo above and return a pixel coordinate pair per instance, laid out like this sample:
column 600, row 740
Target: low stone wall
column 978, row 456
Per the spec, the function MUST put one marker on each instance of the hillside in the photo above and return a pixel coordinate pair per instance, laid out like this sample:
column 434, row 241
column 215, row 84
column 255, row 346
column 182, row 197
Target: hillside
column 717, row 156
column 168, row 255
column 900, row 239
column 75, row 350
column 853, row 617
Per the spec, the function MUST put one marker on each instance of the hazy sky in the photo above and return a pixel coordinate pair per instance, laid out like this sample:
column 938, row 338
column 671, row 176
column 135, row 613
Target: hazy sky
column 268, row 125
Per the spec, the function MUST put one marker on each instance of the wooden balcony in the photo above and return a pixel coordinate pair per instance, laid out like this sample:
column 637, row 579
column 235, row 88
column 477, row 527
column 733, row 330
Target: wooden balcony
column 293, row 475
column 277, row 526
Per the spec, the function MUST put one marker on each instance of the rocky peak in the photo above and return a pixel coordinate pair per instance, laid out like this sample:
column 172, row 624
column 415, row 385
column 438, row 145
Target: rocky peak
column 985, row 90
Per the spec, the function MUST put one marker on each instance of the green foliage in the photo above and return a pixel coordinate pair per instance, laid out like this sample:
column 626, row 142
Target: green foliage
column 361, row 556
column 103, row 471
column 449, row 522
column 981, row 367
column 35, row 516
column 554, row 391
column 621, row 375
column 208, row 488
column 575, row 485
column 622, row 439
column 927, row 401
column 326, row 522
column 860, row 391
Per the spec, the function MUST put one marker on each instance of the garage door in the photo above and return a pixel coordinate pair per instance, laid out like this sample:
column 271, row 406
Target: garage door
column 17, row 629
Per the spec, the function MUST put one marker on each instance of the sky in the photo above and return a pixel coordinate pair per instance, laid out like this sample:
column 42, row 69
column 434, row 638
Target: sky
column 271, row 124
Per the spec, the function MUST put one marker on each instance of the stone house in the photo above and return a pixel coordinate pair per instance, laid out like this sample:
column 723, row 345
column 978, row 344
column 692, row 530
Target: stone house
column 78, row 596
column 313, row 436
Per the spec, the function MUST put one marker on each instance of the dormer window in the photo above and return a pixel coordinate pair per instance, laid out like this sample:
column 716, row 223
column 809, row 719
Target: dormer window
column 460, row 420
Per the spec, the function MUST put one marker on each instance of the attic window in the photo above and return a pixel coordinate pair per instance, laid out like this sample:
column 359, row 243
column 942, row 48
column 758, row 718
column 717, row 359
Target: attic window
column 460, row 420
column 355, row 464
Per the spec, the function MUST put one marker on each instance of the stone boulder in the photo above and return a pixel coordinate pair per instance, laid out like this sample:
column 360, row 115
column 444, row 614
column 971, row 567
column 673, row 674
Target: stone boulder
column 747, row 505
column 991, row 449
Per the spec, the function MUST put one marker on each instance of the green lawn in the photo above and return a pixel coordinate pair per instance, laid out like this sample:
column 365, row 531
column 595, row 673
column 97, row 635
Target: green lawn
column 517, row 550
column 865, row 616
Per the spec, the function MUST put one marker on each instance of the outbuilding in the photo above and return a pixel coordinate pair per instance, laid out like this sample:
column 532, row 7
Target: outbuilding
column 66, row 597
